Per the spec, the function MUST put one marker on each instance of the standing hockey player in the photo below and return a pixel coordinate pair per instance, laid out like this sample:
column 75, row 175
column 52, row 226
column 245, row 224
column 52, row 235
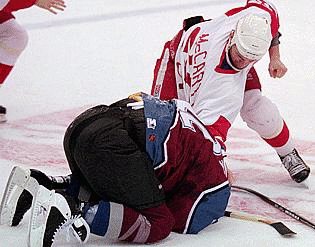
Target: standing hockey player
column 210, row 65
column 13, row 37
column 143, row 167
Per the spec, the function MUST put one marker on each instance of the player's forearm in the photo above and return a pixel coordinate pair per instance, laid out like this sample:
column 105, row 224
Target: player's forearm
column 274, row 53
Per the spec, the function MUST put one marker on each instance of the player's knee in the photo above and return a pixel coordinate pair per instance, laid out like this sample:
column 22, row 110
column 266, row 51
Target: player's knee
column 12, row 43
column 261, row 115
column 20, row 39
column 162, row 232
column 15, row 38
column 161, row 226
column 167, row 226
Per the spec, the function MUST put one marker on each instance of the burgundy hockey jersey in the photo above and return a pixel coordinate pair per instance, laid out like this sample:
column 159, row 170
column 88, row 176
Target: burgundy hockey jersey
column 190, row 164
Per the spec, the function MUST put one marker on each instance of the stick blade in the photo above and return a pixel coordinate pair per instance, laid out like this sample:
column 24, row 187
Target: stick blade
column 282, row 229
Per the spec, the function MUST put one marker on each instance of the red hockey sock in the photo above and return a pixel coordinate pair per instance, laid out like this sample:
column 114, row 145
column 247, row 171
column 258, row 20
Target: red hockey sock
column 281, row 139
column 4, row 72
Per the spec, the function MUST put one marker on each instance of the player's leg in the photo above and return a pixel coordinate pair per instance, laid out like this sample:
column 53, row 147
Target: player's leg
column 116, row 221
column 51, row 211
column 263, row 116
column 13, row 40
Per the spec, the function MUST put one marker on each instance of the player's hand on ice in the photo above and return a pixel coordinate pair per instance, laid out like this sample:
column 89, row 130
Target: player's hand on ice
column 277, row 69
column 51, row 5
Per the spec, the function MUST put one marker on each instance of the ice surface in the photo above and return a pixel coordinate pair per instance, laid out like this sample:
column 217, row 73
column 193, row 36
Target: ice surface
column 99, row 51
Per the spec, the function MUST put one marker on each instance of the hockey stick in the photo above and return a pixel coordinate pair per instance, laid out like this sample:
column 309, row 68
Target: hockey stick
column 278, row 206
column 279, row 226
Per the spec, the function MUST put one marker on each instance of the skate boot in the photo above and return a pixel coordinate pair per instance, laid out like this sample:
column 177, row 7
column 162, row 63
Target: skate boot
column 3, row 112
column 296, row 167
column 22, row 185
column 54, row 213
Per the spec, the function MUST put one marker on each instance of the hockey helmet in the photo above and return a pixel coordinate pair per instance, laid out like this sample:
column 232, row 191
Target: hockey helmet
column 252, row 36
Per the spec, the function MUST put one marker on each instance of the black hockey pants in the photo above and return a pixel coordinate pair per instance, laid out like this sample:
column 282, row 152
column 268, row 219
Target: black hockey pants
column 105, row 148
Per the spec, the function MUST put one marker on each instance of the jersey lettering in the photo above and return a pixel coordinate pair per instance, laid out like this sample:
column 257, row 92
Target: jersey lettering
column 191, row 39
column 198, row 61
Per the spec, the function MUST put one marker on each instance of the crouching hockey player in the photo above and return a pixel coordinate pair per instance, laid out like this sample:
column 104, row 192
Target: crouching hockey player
column 141, row 168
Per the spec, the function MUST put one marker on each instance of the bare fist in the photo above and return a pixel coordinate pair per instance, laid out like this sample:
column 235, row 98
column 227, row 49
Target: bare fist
column 277, row 69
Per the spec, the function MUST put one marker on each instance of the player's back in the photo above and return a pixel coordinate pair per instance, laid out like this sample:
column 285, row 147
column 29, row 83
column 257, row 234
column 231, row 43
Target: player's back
column 193, row 159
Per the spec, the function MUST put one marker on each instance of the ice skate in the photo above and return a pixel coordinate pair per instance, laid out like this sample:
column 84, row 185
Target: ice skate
column 51, row 213
column 3, row 112
column 21, row 187
column 296, row 167
column 19, row 180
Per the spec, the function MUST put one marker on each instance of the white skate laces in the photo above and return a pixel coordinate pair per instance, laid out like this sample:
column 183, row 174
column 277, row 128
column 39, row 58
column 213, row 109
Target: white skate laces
column 74, row 227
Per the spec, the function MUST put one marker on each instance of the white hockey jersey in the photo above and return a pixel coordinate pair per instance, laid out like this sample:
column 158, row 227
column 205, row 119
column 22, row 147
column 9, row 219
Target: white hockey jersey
column 203, row 78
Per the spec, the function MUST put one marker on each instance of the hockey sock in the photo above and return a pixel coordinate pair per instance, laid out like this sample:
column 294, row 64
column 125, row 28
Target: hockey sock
column 283, row 142
column 97, row 217
column 4, row 72
column 104, row 218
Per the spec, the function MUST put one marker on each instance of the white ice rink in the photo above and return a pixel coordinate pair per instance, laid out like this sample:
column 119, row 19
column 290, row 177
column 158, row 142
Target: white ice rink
column 97, row 52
